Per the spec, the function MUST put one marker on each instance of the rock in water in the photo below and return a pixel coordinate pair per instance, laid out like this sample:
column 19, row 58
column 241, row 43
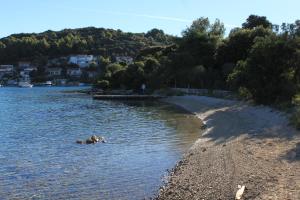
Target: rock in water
column 203, row 127
column 95, row 138
column 92, row 140
column 89, row 141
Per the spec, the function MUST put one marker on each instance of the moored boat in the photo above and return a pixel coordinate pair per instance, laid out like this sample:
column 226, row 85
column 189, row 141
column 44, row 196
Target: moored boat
column 48, row 83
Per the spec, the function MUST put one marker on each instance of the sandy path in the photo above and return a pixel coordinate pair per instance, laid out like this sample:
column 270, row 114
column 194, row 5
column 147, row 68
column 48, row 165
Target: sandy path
column 243, row 145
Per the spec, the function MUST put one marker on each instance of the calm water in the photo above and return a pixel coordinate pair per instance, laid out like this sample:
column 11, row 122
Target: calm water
column 39, row 158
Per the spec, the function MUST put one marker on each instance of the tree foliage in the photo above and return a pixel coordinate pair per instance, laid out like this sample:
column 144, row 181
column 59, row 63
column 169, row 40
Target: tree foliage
column 261, row 60
column 254, row 21
column 254, row 60
column 96, row 41
column 269, row 71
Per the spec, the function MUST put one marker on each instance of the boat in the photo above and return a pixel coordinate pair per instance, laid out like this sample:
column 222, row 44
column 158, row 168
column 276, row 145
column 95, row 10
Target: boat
column 48, row 83
column 25, row 85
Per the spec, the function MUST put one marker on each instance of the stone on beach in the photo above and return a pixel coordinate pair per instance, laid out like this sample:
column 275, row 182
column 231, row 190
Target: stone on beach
column 240, row 192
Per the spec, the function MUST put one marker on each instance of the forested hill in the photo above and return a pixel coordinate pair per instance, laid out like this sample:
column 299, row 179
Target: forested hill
column 97, row 41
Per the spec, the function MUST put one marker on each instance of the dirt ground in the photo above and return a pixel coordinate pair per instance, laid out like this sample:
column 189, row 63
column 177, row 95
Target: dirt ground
column 243, row 145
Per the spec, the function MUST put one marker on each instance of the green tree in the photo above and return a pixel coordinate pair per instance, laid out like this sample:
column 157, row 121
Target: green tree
column 102, row 84
column 269, row 72
column 238, row 45
column 157, row 35
column 113, row 68
column 203, row 26
column 254, row 21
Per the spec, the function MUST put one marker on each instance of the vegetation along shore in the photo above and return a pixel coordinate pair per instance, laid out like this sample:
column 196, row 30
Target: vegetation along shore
column 249, row 144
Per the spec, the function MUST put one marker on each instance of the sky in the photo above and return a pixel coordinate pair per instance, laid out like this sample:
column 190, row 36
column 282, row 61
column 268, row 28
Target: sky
column 172, row 16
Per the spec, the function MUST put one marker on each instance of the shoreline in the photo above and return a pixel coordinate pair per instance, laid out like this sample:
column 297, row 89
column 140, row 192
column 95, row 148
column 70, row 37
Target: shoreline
column 242, row 145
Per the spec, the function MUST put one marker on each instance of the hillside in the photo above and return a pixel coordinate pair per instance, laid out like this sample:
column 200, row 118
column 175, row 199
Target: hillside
column 90, row 40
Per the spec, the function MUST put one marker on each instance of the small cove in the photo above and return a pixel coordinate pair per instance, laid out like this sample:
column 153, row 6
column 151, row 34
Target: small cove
column 40, row 159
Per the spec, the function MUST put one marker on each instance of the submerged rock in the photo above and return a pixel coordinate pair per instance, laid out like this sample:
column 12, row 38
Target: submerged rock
column 203, row 127
column 92, row 140
column 80, row 142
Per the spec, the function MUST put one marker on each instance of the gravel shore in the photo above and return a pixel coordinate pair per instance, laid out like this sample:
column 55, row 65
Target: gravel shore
column 243, row 145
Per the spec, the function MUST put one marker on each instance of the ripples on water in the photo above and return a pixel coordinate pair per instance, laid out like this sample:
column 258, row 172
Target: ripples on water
column 39, row 158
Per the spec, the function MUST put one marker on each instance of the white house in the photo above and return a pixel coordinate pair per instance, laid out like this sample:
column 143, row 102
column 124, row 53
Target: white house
column 74, row 72
column 25, row 70
column 25, row 78
column 54, row 71
column 25, row 73
column 81, row 60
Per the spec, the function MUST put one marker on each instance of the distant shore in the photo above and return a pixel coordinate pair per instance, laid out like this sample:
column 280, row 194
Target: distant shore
column 243, row 145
